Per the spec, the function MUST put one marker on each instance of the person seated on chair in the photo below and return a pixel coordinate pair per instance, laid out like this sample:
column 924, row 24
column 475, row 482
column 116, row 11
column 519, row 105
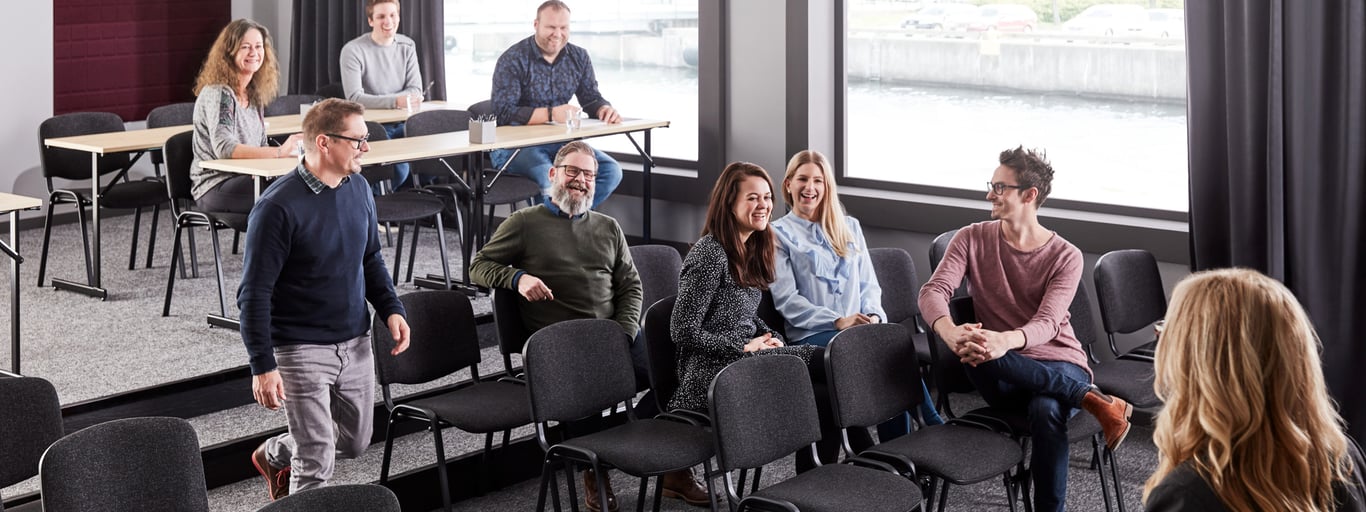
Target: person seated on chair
column 715, row 320
column 239, row 78
column 532, row 84
column 824, row 277
column 1023, row 355
column 594, row 278
column 1247, row 422
column 379, row 70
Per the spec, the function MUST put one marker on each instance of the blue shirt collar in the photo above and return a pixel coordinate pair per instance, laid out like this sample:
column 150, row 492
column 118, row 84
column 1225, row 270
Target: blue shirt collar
column 560, row 213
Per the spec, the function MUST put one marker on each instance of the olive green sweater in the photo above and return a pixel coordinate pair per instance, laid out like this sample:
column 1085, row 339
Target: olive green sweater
column 584, row 261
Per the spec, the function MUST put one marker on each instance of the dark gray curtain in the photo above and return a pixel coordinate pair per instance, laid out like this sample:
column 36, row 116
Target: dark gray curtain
column 1278, row 161
column 322, row 27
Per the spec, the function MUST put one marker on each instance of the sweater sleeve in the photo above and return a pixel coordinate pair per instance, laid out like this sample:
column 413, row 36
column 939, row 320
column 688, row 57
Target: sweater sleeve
column 935, row 295
column 268, row 230
column 379, row 288
column 493, row 266
column 1061, row 286
column 627, row 292
column 219, row 115
column 703, row 273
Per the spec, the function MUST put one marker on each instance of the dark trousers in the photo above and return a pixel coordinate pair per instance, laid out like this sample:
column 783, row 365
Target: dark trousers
column 1048, row 392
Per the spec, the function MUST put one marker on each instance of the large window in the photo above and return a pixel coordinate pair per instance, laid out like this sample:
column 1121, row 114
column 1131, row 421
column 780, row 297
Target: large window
column 644, row 52
column 937, row 89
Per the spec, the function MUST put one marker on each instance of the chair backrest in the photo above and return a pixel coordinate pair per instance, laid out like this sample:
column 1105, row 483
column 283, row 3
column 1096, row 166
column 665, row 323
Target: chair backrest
column 661, row 351
column 332, row 90
column 1083, row 324
column 289, row 104
column 442, row 339
column 659, row 267
column 938, row 248
column 768, row 312
column 762, row 408
column 873, row 374
column 150, row 464
column 175, row 114
column 432, row 122
column 577, row 368
column 896, row 276
column 507, row 318
column 179, row 150
column 70, row 164
column 1129, row 289
column 948, row 373
column 30, row 421
column 482, row 108
column 367, row 497
column 377, row 173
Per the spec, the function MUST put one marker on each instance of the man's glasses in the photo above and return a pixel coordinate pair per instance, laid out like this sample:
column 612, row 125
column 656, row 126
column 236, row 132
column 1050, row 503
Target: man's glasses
column 363, row 141
column 574, row 172
column 999, row 188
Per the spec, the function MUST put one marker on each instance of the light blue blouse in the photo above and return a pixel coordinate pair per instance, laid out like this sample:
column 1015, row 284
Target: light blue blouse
column 813, row 286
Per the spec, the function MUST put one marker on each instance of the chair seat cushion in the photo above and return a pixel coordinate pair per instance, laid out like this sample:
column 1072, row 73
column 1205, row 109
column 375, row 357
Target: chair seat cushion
column 407, row 207
column 842, row 487
column 1080, row 427
column 135, row 194
column 481, row 408
column 960, row 454
column 650, row 446
column 1130, row 380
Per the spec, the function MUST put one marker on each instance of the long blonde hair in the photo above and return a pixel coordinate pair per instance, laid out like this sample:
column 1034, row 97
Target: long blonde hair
column 1246, row 406
column 220, row 68
column 830, row 213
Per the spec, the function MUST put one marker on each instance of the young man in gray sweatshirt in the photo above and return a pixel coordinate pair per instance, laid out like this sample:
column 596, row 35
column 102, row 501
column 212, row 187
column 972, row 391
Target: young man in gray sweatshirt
column 379, row 69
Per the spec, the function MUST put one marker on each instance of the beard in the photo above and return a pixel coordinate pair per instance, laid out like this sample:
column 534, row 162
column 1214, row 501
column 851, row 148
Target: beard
column 563, row 197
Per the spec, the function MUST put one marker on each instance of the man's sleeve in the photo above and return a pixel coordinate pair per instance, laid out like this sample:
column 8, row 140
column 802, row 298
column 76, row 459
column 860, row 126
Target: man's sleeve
column 509, row 78
column 379, row 288
column 412, row 73
column 267, row 248
column 352, row 71
column 935, row 295
column 1059, row 290
column 590, row 100
column 491, row 265
column 627, row 292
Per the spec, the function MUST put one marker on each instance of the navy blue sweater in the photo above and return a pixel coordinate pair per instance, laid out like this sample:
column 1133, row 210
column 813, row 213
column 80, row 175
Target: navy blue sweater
column 312, row 260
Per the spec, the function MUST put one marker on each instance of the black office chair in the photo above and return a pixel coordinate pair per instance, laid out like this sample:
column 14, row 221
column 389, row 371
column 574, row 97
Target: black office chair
column 445, row 341
column 873, row 374
column 763, row 409
column 30, row 421
column 407, row 207
column 659, row 267
column 662, row 356
column 290, row 103
column 92, row 469
column 366, row 497
column 119, row 193
column 179, row 155
column 576, row 369
column 1129, row 289
column 900, row 285
column 512, row 333
column 332, row 90
column 175, row 114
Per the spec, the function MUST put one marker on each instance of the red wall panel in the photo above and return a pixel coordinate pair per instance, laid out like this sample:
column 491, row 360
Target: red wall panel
column 130, row 56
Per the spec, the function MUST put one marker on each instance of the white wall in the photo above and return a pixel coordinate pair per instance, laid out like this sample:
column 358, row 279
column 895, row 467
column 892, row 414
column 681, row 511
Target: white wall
column 26, row 101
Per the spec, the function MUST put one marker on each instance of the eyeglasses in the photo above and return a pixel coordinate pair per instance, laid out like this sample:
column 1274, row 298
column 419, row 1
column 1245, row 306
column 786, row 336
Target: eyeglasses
column 363, row 141
column 574, row 172
column 1000, row 188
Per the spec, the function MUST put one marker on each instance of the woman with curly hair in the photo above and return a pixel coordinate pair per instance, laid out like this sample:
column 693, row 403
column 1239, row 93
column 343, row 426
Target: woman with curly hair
column 1248, row 424
column 239, row 78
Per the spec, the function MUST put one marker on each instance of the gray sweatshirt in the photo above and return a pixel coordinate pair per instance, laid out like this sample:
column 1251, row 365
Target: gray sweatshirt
column 374, row 75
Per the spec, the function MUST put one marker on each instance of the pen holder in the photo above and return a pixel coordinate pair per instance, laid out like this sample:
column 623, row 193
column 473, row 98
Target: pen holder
column 483, row 132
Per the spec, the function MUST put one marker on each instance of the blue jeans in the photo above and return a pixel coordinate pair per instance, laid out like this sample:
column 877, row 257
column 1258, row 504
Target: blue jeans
column 899, row 425
column 395, row 131
column 534, row 163
column 1049, row 392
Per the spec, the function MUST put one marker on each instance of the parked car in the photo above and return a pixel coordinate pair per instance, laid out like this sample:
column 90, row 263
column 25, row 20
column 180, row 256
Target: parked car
column 1166, row 23
column 1108, row 20
column 1005, row 18
column 941, row 17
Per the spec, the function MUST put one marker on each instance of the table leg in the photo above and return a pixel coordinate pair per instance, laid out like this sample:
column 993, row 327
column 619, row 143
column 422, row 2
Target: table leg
column 256, row 186
column 14, row 292
column 91, row 288
column 646, row 168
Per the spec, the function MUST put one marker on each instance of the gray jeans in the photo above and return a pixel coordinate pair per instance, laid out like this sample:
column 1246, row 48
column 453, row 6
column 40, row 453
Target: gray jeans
column 330, row 403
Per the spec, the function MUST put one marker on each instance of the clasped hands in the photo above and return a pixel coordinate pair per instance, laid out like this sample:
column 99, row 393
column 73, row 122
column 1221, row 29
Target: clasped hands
column 975, row 345
column 764, row 342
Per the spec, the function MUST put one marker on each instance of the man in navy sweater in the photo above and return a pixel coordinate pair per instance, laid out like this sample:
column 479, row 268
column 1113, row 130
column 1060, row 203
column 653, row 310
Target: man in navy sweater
column 312, row 261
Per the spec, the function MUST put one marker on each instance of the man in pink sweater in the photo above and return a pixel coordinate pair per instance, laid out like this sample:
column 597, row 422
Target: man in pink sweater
column 1022, row 354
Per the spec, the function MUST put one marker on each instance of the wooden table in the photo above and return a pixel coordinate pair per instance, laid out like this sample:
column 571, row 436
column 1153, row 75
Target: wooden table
column 101, row 144
column 12, row 204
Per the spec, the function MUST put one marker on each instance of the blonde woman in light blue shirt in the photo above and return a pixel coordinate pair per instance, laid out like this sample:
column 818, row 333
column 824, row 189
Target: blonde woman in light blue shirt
column 824, row 280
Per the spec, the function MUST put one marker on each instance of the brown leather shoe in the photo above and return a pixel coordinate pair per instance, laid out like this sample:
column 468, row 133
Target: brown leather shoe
column 590, row 493
column 682, row 485
column 277, row 479
column 1112, row 413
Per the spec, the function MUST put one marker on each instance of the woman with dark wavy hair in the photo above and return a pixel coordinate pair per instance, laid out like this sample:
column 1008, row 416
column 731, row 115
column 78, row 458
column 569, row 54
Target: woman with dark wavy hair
column 239, row 78
column 1247, row 424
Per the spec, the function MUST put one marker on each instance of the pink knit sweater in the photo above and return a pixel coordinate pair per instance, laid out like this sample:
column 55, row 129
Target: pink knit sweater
column 1012, row 289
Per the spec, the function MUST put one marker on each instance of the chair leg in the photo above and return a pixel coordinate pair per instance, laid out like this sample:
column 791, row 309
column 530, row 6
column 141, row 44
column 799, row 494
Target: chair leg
column 483, row 463
column 236, row 238
column 1114, row 477
column 711, row 493
column 388, row 450
column 194, row 256
column 412, row 250
column 441, row 466
column 644, row 487
column 1010, row 491
column 85, row 243
column 1097, row 465
column 170, row 283
column 133, row 250
column 47, row 238
column 398, row 255
column 547, row 475
column 441, row 245
column 218, row 270
column 152, row 234
column 388, row 235
column 943, row 494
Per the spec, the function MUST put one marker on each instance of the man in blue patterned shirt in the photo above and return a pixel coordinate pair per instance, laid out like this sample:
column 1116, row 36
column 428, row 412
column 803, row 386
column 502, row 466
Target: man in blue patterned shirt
column 533, row 83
